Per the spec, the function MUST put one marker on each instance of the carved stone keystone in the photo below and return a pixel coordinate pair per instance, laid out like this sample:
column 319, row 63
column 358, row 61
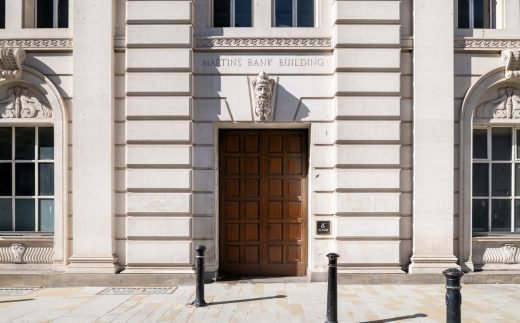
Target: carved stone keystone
column 511, row 59
column 11, row 61
column 263, row 90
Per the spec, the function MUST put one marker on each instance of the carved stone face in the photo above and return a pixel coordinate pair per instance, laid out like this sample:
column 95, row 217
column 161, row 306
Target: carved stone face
column 263, row 92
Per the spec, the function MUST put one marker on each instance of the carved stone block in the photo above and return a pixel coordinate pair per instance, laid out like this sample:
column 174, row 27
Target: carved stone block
column 495, row 252
column 11, row 61
column 505, row 106
column 511, row 59
column 20, row 102
column 263, row 96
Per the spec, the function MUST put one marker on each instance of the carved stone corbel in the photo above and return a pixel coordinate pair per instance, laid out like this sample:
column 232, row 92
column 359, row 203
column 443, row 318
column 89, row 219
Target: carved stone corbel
column 511, row 59
column 11, row 61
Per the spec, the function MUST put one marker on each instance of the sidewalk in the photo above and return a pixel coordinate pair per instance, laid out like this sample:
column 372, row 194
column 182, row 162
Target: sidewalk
column 259, row 302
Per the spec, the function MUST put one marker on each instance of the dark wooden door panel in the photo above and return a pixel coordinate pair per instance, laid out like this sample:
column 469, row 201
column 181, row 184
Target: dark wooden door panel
column 263, row 202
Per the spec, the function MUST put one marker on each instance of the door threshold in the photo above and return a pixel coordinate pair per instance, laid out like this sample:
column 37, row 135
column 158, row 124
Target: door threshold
column 263, row 279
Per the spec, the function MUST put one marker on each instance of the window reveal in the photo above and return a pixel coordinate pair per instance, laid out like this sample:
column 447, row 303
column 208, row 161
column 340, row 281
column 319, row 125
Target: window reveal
column 27, row 179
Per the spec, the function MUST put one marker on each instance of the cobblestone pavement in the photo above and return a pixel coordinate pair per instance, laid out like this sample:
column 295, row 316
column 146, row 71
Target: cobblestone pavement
column 259, row 302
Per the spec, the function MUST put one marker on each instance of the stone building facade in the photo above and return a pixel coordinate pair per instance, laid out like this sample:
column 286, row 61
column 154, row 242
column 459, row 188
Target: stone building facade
column 386, row 131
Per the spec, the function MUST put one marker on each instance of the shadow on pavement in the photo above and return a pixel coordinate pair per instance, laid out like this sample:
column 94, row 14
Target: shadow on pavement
column 17, row 300
column 393, row 319
column 245, row 300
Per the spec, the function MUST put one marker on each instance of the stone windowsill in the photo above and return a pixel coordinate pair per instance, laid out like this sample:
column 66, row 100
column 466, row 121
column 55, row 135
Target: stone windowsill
column 497, row 237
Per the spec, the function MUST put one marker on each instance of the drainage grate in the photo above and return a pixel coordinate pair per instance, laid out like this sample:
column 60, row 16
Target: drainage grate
column 16, row 291
column 137, row 290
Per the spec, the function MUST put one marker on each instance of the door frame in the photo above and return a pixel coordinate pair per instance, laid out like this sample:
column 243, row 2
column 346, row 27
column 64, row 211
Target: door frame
column 262, row 126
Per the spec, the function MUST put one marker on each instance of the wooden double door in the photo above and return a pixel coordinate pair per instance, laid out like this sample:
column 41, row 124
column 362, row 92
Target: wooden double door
column 263, row 202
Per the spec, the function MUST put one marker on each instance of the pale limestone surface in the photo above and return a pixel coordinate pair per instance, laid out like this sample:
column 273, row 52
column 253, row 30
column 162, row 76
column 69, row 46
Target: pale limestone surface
column 140, row 177
column 263, row 302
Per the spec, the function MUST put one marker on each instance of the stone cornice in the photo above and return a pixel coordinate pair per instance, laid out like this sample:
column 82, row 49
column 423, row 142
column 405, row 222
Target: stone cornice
column 486, row 44
column 49, row 43
column 255, row 42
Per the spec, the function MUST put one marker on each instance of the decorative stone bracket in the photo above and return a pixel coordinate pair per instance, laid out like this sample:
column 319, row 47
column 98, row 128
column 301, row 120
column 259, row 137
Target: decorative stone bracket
column 511, row 59
column 11, row 61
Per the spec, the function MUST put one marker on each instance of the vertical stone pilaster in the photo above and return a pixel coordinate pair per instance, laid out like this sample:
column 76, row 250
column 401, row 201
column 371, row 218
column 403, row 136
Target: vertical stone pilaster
column 93, row 136
column 433, row 164
column 369, row 138
column 160, row 203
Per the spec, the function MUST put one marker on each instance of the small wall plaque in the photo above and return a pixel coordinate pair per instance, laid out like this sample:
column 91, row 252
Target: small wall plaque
column 322, row 227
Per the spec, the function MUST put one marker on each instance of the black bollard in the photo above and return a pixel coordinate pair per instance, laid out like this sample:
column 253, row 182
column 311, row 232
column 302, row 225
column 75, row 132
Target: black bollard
column 199, row 277
column 332, row 289
column 453, row 297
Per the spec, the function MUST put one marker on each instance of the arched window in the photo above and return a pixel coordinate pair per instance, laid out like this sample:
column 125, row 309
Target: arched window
column 33, row 164
column 489, row 220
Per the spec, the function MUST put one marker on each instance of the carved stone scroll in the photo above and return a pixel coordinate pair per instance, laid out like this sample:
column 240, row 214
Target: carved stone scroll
column 11, row 61
column 511, row 59
column 263, row 93
column 505, row 106
column 20, row 102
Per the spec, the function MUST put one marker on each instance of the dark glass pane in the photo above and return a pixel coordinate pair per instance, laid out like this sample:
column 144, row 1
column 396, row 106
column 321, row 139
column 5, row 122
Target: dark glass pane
column 501, row 180
column 46, row 215
column 463, row 13
column 478, row 15
column 501, row 143
column 24, row 215
column 6, row 144
column 480, row 179
column 517, row 215
column 2, row 13
column 46, row 143
column 243, row 13
column 221, row 13
column 283, row 13
column 63, row 13
column 5, row 180
column 44, row 14
column 501, row 215
column 305, row 14
column 480, row 215
column 480, row 143
column 24, row 143
column 46, row 179
column 24, row 182
column 6, row 217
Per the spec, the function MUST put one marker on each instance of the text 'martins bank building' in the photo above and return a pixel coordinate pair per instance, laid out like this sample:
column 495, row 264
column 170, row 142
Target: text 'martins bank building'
column 271, row 131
